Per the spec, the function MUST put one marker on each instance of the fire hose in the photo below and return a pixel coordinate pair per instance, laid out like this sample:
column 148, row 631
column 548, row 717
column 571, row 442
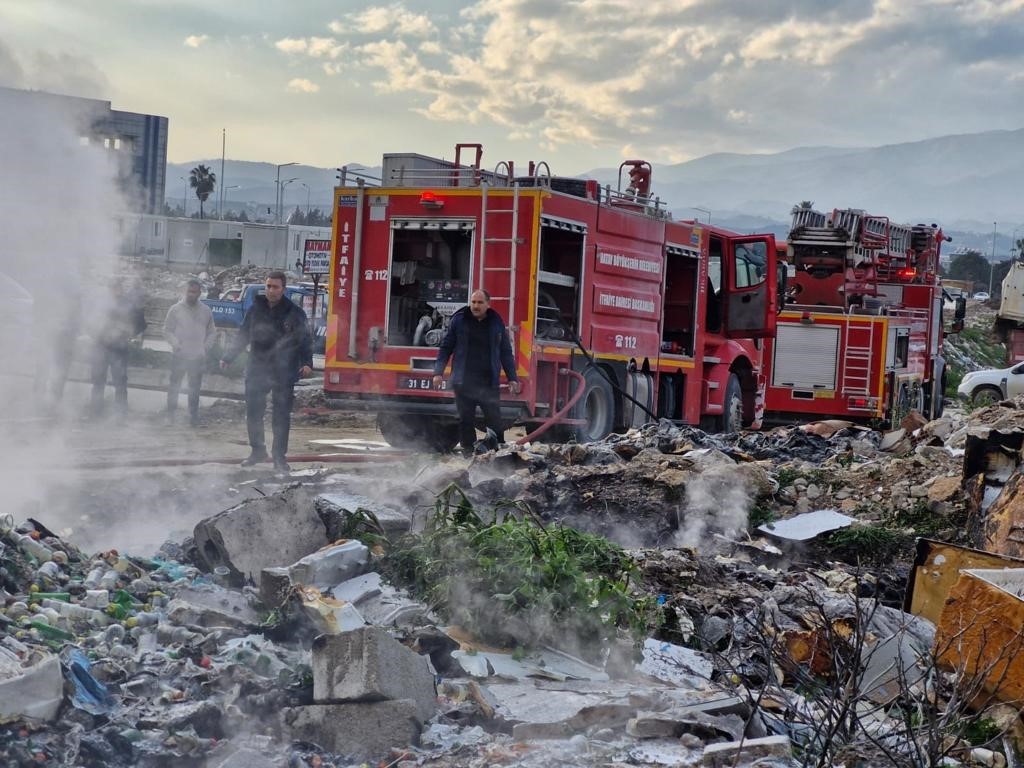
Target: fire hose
column 322, row 458
column 560, row 414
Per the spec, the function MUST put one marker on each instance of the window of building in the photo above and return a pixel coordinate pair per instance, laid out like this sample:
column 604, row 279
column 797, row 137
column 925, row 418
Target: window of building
column 295, row 247
column 156, row 229
column 117, row 143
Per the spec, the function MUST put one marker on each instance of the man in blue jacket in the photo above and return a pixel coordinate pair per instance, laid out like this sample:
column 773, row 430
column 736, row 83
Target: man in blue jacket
column 280, row 351
column 479, row 343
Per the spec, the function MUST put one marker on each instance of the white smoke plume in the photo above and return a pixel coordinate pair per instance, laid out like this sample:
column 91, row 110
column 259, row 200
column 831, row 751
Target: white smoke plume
column 717, row 499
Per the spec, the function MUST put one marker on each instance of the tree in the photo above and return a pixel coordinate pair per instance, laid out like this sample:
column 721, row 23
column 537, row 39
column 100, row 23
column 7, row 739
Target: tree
column 970, row 265
column 203, row 181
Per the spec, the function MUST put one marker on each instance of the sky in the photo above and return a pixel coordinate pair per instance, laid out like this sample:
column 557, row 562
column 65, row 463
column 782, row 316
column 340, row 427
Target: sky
column 580, row 84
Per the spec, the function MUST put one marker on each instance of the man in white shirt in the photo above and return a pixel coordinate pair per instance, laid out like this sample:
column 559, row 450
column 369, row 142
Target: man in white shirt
column 190, row 331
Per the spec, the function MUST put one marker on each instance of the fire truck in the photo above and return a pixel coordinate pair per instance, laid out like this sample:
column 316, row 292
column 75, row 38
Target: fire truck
column 616, row 313
column 861, row 334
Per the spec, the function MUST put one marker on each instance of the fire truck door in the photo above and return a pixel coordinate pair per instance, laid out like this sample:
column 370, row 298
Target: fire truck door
column 748, row 282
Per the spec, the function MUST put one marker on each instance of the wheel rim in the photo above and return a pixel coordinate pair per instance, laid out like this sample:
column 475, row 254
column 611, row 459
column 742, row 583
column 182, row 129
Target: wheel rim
column 986, row 397
column 596, row 410
column 734, row 415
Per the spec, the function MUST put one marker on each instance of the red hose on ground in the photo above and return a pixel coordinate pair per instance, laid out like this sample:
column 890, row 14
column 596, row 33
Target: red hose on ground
column 302, row 458
column 557, row 417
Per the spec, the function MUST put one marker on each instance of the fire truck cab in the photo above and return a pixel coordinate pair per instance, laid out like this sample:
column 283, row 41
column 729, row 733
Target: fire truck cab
column 655, row 318
column 861, row 335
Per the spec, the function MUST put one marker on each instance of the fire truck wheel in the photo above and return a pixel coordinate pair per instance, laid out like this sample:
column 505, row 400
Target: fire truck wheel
column 732, row 417
column 597, row 406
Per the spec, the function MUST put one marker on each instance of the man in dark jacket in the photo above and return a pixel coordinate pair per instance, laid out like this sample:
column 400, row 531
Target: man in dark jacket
column 120, row 322
column 280, row 351
column 479, row 343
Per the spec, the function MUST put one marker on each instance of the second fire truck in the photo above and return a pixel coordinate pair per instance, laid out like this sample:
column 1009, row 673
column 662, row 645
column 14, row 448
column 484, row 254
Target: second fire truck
column 861, row 335
column 617, row 313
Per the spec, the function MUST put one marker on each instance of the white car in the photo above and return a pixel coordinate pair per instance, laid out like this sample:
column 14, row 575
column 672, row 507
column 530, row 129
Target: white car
column 981, row 296
column 991, row 385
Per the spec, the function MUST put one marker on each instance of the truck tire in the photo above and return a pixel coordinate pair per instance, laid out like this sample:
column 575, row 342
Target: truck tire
column 418, row 433
column 731, row 419
column 597, row 406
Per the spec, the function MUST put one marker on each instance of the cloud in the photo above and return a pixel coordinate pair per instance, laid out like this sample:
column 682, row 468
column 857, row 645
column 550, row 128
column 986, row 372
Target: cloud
column 302, row 85
column 685, row 77
column 379, row 19
column 194, row 41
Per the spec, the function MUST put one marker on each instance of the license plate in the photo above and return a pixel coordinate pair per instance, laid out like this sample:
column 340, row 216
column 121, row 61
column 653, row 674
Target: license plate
column 420, row 383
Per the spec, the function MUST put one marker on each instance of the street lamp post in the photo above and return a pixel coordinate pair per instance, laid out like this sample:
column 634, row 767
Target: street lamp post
column 223, row 195
column 277, row 217
column 702, row 210
column 284, row 185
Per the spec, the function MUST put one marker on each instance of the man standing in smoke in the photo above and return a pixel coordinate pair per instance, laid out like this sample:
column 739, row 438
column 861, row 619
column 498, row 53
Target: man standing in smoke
column 478, row 344
column 190, row 331
column 120, row 322
column 280, row 351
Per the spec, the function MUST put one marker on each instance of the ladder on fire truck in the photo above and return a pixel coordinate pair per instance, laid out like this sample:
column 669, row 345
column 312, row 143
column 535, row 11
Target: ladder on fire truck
column 858, row 349
column 500, row 263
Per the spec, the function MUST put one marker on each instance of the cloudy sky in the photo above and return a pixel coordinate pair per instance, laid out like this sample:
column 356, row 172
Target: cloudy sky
column 579, row 83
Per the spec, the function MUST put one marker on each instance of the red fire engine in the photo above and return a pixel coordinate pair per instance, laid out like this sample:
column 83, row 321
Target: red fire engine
column 861, row 335
column 616, row 313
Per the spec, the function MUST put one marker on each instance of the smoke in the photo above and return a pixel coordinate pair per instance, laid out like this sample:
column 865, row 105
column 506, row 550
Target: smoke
column 718, row 499
column 56, row 231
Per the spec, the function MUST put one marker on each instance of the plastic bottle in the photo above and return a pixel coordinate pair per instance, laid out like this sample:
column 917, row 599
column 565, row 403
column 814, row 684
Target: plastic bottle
column 109, row 580
column 93, row 579
column 49, row 571
column 96, row 598
column 37, row 549
column 77, row 612
column 53, row 633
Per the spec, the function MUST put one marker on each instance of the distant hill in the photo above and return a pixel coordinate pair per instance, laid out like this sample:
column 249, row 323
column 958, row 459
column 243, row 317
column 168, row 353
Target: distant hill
column 963, row 182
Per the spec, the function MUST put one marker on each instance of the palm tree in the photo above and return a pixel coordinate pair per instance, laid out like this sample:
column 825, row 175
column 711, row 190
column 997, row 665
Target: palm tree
column 203, row 181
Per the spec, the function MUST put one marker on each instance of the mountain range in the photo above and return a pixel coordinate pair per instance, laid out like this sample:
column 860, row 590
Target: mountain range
column 966, row 183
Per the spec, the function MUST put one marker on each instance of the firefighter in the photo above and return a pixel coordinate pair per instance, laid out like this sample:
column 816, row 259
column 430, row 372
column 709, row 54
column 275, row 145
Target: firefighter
column 280, row 352
column 478, row 344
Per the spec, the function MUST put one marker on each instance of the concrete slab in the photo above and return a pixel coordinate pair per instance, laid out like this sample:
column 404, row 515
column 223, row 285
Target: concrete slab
column 732, row 753
column 807, row 526
column 368, row 664
column 336, row 507
column 261, row 533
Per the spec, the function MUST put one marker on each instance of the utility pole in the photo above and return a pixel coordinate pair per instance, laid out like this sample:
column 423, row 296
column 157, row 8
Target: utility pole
column 223, row 145
column 992, row 264
column 277, row 209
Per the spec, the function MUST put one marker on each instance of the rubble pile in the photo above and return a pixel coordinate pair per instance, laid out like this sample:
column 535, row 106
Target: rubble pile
column 781, row 613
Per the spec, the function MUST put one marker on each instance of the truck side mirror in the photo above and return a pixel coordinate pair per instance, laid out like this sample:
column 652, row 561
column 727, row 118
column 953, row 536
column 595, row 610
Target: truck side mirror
column 961, row 309
column 781, row 288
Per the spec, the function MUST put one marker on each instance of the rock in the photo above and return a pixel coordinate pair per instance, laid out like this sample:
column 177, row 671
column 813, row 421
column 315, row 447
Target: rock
column 892, row 440
column 944, row 488
column 813, row 492
column 940, row 428
column 732, row 753
column 358, row 589
column 323, row 569
column 912, row 422
column 246, row 758
column 364, row 730
column 370, row 665
column 336, row 510
column 918, row 492
column 260, row 533
column 673, row 724
column 215, row 607
column 328, row 615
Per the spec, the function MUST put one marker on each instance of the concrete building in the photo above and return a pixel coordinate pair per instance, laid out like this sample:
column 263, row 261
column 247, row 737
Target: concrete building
column 210, row 243
column 139, row 140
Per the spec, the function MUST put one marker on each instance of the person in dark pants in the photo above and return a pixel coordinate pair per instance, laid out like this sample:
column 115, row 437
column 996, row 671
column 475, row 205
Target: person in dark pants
column 280, row 351
column 122, row 321
column 478, row 344
column 190, row 331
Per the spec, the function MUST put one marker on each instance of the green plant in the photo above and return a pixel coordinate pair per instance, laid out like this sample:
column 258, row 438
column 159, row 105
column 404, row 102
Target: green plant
column 786, row 476
column 508, row 578
column 760, row 514
column 866, row 543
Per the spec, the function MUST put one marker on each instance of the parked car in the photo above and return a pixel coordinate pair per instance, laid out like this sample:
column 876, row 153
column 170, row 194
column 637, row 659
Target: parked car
column 991, row 385
column 981, row 296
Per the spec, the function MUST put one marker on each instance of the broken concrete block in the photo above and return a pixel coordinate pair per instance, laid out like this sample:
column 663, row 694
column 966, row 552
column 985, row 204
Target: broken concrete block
column 215, row 607
column 674, row 723
column 336, row 510
column 358, row 589
column 328, row 615
column 260, row 533
column 732, row 753
column 674, row 663
column 369, row 665
column 322, row 569
column 600, row 716
column 363, row 730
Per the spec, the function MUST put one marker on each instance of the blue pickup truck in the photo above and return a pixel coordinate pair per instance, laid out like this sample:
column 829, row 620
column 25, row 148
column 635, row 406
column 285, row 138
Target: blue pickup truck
column 229, row 310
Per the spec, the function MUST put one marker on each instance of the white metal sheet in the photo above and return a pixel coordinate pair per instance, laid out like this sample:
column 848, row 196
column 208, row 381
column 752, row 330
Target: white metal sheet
column 806, row 356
